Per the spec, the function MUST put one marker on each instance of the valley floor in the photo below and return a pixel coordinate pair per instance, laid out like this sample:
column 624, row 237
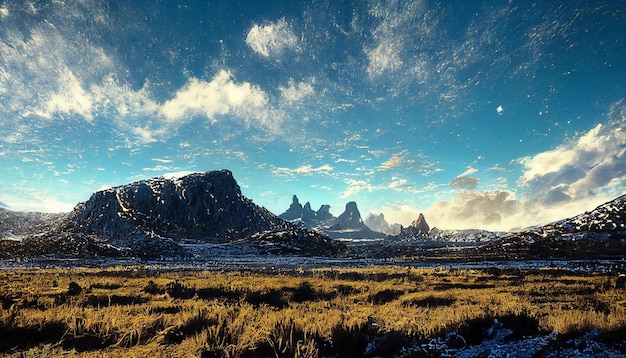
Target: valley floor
column 370, row 311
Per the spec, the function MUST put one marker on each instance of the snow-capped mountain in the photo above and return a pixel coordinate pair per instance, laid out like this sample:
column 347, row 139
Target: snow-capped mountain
column 14, row 224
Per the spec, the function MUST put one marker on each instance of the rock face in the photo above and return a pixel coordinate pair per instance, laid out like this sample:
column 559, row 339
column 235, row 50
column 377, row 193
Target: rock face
column 350, row 219
column 600, row 232
column 417, row 227
column 154, row 217
column 201, row 206
column 305, row 214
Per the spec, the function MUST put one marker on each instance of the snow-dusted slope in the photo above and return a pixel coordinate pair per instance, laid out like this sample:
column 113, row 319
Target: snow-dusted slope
column 203, row 206
column 601, row 231
column 155, row 217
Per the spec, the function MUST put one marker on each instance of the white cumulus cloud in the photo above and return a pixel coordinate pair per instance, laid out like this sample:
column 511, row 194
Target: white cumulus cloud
column 589, row 165
column 222, row 96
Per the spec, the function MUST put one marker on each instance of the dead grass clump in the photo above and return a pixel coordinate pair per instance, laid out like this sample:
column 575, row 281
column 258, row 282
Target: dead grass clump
column 431, row 301
column 350, row 341
column 271, row 297
column 217, row 293
column 105, row 286
column 18, row 338
column 7, row 301
column 110, row 300
column 449, row 286
column 305, row 292
column 153, row 289
column 178, row 290
column 74, row 289
column 385, row 296
column 346, row 290
column 192, row 326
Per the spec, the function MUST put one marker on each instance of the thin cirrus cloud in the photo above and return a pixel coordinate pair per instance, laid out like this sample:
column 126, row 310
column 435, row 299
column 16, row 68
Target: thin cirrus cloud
column 305, row 170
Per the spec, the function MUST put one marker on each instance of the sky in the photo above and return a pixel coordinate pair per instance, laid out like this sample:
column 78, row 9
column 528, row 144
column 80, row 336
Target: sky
column 494, row 115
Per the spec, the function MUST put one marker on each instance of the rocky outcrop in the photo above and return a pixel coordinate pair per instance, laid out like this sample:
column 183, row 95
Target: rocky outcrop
column 305, row 215
column 417, row 227
column 203, row 206
column 350, row 219
column 323, row 214
column 153, row 218
column 294, row 212
column 349, row 225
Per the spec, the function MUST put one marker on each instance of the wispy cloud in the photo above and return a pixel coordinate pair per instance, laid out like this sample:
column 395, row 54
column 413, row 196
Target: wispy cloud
column 305, row 170
column 272, row 39
column 162, row 160
column 465, row 182
column 296, row 91
column 396, row 160
column 408, row 162
column 390, row 36
column 355, row 186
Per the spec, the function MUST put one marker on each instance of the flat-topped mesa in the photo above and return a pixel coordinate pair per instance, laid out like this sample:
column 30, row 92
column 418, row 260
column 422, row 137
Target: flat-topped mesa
column 199, row 206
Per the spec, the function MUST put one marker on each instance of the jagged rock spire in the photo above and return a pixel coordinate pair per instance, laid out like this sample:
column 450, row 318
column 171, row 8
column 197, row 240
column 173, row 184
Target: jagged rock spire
column 350, row 219
column 417, row 227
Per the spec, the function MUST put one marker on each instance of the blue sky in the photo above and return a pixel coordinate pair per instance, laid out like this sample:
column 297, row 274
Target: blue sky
column 482, row 114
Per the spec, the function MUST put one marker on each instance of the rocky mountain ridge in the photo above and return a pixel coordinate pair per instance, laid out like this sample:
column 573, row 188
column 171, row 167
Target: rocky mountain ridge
column 307, row 216
column 15, row 224
column 599, row 232
column 154, row 217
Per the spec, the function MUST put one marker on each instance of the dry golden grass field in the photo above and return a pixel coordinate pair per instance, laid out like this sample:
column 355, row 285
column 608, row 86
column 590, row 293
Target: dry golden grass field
column 138, row 312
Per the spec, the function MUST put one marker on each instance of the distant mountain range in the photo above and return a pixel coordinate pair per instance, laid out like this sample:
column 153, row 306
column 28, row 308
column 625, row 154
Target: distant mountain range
column 157, row 217
column 377, row 222
column 596, row 233
column 176, row 216
column 347, row 225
